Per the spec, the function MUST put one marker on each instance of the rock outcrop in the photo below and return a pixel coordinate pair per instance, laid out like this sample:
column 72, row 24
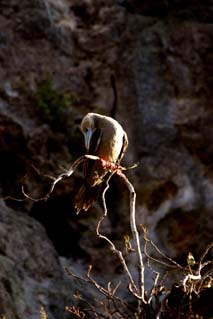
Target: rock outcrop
column 147, row 65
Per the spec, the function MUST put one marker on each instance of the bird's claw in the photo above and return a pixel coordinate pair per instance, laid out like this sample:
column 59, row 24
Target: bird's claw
column 112, row 167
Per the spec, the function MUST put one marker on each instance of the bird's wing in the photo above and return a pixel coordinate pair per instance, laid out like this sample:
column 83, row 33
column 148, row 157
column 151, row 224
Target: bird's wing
column 123, row 149
column 95, row 142
column 93, row 150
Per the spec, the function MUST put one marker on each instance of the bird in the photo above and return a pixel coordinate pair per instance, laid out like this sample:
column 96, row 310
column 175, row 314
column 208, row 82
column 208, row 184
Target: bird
column 106, row 139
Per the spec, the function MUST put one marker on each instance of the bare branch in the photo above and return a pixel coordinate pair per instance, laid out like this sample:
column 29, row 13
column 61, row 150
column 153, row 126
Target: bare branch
column 113, row 290
column 67, row 173
column 136, row 236
column 119, row 305
column 148, row 240
column 75, row 311
column 13, row 198
column 133, row 287
column 99, row 287
column 201, row 264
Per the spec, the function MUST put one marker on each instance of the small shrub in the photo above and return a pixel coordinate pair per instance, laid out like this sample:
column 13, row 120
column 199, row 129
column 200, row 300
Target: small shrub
column 51, row 102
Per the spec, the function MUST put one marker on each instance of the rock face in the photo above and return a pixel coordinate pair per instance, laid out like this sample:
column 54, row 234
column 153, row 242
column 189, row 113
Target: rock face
column 31, row 274
column 147, row 65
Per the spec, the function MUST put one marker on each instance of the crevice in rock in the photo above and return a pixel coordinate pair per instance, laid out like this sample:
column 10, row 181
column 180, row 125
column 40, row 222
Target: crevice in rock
column 58, row 217
column 13, row 154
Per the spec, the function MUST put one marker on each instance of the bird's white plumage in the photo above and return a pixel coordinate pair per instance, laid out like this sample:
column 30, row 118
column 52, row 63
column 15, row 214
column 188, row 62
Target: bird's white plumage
column 105, row 138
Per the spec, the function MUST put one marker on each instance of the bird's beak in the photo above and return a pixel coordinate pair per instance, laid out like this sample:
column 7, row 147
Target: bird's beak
column 87, row 136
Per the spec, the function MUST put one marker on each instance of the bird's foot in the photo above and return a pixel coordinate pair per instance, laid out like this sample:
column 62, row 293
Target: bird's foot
column 112, row 167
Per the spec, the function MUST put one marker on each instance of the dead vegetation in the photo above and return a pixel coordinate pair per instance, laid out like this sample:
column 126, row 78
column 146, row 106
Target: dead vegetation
column 188, row 298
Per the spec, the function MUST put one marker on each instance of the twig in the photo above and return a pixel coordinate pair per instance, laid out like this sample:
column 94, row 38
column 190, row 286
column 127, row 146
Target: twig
column 108, row 293
column 132, row 284
column 15, row 199
column 147, row 240
column 75, row 311
column 67, row 173
column 201, row 264
column 99, row 287
column 136, row 236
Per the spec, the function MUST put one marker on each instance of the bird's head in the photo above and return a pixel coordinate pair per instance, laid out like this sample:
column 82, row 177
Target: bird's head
column 87, row 128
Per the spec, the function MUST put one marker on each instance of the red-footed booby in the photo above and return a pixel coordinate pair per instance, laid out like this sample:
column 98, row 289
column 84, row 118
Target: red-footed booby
column 105, row 138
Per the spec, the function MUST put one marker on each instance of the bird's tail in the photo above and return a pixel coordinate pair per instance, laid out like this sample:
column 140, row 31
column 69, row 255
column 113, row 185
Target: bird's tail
column 86, row 196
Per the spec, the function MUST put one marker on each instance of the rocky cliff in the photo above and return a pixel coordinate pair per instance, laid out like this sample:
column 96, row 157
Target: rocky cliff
column 148, row 65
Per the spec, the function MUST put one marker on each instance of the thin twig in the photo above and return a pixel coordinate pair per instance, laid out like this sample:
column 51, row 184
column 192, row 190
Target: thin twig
column 148, row 240
column 201, row 264
column 13, row 198
column 108, row 293
column 67, row 173
column 99, row 287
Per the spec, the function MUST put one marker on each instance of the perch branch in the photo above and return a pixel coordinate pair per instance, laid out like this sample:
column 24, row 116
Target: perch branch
column 136, row 236
column 132, row 284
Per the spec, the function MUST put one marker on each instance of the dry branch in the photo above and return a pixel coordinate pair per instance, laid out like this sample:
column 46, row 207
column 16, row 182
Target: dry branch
column 57, row 179
column 136, row 238
column 132, row 284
